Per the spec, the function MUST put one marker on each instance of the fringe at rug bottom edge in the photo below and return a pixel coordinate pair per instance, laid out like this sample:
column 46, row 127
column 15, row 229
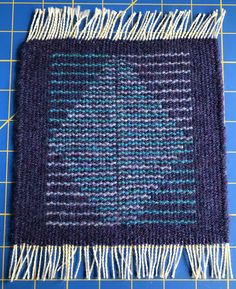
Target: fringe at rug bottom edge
column 118, row 262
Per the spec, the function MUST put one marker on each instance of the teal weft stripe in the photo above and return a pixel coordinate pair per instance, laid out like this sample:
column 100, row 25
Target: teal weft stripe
column 84, row 101
column 105, row 111
column 81, row 130
column 104, row 207
column 89, row 82
column 90, row 55
column 81, row 92
column 102, row 64
column 61, row 73
column 174, row 222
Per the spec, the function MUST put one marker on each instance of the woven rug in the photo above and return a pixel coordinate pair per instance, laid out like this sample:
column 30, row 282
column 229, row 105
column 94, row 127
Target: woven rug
column 120, row 164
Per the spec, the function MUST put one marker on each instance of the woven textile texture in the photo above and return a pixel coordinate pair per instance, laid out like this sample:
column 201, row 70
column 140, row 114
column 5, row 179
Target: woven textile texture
column 124, row 141
column 120, row 149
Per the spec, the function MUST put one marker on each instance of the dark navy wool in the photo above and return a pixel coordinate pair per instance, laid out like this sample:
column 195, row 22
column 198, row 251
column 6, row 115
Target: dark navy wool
column 120, row 143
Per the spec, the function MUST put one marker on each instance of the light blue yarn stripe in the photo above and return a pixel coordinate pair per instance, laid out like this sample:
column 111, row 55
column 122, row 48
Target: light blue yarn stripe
column 78, row 148
column 167, row 124
column 97, row 82
column 88, row 119
column 145, row 115
column 140, row 191
column 92, row 169
column 83, row 158
column 160, row 172
column 149, row 124
column 153, row 180
column 91, row 149
column 69, row 139
column 93, row 189
column 155, row 152
column 90, row 55
column 102, row 64
column 174, row 222
column 157, row 192
column 101, row 198
column 136, row 181
column 81, row 138
column 103, row 74
column 98, row 178
column 79, row 120
column 163, row 143
column 139, row 162
column 146, row 133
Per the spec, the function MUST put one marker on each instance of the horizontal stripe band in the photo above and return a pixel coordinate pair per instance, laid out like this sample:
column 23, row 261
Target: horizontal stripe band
column 114, row 204
column 124, row 72
column 135, row 222
column 93, row 55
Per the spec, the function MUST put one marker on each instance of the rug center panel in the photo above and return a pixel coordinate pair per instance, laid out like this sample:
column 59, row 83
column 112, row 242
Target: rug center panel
column 120, row 140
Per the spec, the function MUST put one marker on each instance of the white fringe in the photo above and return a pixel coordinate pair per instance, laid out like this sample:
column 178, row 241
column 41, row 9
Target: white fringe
column 125, row 262
column 108, row 24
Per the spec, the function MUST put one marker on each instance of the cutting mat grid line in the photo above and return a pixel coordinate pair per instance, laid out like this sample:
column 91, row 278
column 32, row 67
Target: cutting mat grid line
column 15, row 17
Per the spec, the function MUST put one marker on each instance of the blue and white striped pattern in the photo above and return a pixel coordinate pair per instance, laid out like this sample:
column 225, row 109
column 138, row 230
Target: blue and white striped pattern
column 120, row 140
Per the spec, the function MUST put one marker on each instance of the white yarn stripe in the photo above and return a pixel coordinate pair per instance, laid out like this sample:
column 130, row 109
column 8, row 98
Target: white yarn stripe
column 74, row 136
column 146, row 64
column 149, row 148
column 121, row 198
column 75, row 164
column 93, row 204
column 173, row 138
column 164, row 72
column 76, row 55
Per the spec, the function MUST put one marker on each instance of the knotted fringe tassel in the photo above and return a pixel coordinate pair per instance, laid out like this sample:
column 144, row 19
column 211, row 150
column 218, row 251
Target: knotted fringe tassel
column 108, row 24
column 103, row 262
